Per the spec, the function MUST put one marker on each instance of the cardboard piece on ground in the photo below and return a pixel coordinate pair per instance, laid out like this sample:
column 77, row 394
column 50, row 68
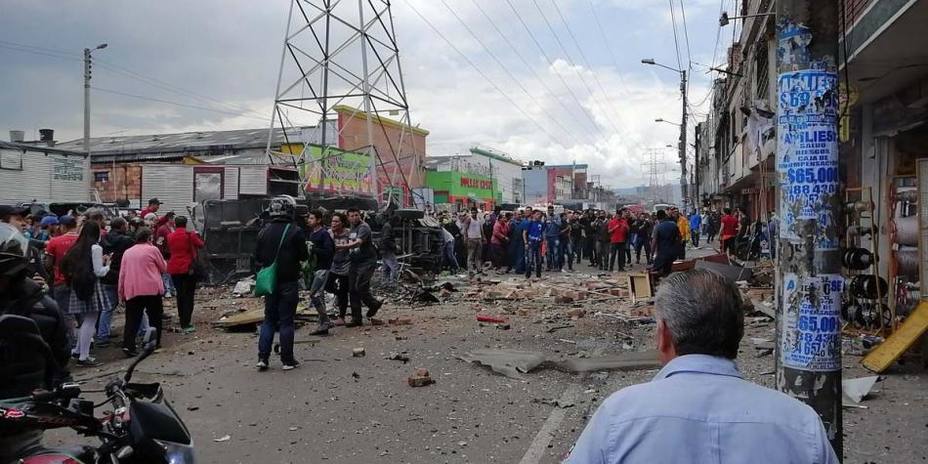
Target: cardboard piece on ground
column 732, row 273
column 900, row 341
column 252, row 316
column 639, row 286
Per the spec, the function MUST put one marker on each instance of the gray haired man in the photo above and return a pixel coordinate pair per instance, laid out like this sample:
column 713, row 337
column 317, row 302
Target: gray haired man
column 698, row 408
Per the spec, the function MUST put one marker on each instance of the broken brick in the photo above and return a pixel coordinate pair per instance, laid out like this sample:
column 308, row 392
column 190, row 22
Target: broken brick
column 420, row 378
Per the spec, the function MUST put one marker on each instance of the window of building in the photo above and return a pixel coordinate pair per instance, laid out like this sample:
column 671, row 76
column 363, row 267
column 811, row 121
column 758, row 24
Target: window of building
column 101, row 176
column 761, row 64
column 11, row 159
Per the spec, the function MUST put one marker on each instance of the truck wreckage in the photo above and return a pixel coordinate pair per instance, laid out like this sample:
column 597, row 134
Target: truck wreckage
column 230, row 229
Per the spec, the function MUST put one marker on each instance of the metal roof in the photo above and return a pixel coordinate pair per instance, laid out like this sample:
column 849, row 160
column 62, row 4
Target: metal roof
column 185, row 142
column 41, row 148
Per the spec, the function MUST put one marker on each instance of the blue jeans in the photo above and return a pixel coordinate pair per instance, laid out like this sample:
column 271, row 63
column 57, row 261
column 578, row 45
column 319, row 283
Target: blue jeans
column 533, row 258
column 565, row 254
column 450, row 259
column 168, row 284
column 104, row 324
column 517, row 256
column 554, row 246
column 279, row 310
column 391, row 268
column 317, row 294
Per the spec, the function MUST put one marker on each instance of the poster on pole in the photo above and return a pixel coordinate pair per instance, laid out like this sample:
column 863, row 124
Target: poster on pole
column 815, row 344
column 807, row 152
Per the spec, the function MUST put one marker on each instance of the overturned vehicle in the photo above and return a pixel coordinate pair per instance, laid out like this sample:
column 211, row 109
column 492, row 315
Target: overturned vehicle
column 230, row 229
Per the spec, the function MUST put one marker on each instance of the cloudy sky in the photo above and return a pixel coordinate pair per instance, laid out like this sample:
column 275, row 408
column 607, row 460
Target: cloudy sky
column 173, row 66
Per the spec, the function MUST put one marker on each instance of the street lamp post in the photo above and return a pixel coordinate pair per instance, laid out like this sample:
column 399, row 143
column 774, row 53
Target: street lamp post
column 87, row 70
column 682, row 143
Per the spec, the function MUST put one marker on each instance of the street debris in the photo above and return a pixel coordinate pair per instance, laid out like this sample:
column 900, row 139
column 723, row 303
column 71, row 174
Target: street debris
column 854, row 391
column 514, row 363
column 420, row 378
column 223, row 438
column 244, row 287
column 490, row 319
column 394, row 356
column 358, row 352
column 553, row 402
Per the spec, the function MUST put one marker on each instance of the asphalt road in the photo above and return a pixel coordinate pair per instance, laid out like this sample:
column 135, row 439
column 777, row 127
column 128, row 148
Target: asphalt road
column 343, row 409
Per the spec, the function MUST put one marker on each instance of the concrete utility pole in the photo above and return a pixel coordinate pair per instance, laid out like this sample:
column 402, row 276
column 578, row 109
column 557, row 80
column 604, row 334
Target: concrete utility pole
column 87, row 72
column 810, row 201
column 683, row 178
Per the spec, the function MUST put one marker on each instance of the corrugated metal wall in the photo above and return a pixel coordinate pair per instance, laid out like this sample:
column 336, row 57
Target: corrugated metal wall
column 172, row 184
column 44, row 177
column 230, row 179
column 253, row 180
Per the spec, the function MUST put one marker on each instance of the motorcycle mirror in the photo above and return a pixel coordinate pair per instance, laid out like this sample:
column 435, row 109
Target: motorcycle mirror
column 150, row 339
column 149, row 343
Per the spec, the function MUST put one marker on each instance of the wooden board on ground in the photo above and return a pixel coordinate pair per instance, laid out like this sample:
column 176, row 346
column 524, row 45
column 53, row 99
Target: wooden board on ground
column 900, row 341
column 639, row 286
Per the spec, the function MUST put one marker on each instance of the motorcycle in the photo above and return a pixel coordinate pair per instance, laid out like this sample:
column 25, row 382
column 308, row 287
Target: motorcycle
column 141, row 428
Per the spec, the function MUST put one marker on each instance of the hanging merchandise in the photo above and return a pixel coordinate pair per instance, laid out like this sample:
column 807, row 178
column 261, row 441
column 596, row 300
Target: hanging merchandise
column 906, row 230
column 857, row 259
column 865, row 286
column 907, row 261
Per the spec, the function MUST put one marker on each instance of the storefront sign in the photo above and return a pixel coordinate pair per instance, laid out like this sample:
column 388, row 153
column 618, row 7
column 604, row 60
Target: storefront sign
column 336, row 170
column 468, row 182
column 68, row 169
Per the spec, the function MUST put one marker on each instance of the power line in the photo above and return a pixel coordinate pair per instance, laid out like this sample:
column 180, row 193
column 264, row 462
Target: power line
column 676, row 41
column 686, row 34
column 570, row 61
column 169, row 102
column 583, row 56
column 479, row 71
column 526, row 63
column 37, row 52
column 501, row 64
column 550, row 62
column 154, row 82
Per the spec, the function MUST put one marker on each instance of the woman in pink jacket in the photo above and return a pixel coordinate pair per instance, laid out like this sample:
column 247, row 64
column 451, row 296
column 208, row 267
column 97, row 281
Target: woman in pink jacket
column 141, row 288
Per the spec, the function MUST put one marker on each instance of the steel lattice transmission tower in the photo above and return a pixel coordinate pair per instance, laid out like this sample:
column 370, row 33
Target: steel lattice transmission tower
column 341, row 53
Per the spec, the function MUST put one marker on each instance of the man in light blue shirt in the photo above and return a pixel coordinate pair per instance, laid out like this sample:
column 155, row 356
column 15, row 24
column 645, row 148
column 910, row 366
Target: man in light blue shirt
column 698, row 408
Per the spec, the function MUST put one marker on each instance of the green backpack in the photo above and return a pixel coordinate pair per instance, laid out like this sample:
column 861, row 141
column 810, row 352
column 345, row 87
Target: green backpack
column 266, row 279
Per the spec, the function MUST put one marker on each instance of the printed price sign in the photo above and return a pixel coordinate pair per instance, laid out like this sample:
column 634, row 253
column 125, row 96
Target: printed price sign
column 812, row 335
column 807, row 150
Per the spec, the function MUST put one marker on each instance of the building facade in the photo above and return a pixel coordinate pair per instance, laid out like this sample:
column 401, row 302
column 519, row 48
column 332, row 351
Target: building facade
column 42, row 173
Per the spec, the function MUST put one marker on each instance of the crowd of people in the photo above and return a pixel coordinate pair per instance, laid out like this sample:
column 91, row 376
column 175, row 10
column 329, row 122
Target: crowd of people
column 91, row 263
column 528, row 241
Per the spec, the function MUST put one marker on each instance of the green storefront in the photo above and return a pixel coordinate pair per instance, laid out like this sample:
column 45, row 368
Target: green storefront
column 463, row 189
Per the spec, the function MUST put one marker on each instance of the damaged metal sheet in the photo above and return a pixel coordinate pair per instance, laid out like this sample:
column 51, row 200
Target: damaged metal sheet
column 620, row 362
column 513, row 363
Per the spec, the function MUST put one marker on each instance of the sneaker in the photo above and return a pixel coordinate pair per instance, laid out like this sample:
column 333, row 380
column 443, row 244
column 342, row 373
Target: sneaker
column 189, row 330
column 130, row 353
column 261, row 365
column 89, row 362
column 373, row 310
column 291, row 365
column 354, row 324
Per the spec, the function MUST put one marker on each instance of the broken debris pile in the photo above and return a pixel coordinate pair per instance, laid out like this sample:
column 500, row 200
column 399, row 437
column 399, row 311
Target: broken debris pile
column 514, row 363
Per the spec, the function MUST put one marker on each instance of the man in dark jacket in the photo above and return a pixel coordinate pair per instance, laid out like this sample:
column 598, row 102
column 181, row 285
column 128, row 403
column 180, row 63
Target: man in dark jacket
column 284, row 242
column 321, row 252
column 115, row 243
column 30, row 361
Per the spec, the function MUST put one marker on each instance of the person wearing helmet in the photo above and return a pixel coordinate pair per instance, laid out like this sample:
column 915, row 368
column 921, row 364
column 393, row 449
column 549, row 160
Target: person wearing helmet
column 283, row 242
column 26, row 368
